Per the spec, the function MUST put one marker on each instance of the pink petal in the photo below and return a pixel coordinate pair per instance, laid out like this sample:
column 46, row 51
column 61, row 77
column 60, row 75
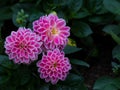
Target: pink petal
column 41, row 30
column 66, row 28
column 60, row 23
column 56, row 41
column 47, row 79
column 66, row 34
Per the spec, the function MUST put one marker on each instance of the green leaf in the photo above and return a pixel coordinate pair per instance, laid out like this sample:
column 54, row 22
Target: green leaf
column 106, row 83
column 5, row 62
column 74, row 78
column 101, row 19
column 72, row 82
column 82, row 87
column 1, row 40
column 117, row 82
column 61, row 14
column 102, row 82
column 4, row 75
column 63, row 87
column 25, row 77
column 79, row 62
column 116, row 38
column 115, row 68
column 99, row 7
column 95, row 6
column 61, row 2
column 96, row 19
column 23, row 74
column 3, row 87
column 80, row 14
column 114, row 31
column 112, row 6
column 3, row 79
column 38, row 2
column 44, row 87
column 75, row 5
column 25, row 6
column 81, row 29
column 5, row 13
column 117, row 18
column 35, row 16
column 71, row 49
column 116, row 52
column 115, row 65
column 109, row 87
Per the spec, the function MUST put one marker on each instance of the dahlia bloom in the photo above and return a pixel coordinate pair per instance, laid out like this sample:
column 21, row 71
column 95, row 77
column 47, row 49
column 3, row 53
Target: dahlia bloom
column 53, row 31
column 54, row 66
column 23, row 46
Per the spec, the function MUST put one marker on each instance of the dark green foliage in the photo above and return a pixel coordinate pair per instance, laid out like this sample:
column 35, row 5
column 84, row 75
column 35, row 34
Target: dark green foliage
column 81, row 29
column 87, row 19
column 107, row 83
column 79, row 62
column 71, row 49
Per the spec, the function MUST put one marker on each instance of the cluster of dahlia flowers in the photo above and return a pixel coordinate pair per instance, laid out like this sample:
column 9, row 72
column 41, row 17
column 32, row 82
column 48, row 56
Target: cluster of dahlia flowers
column 49, row 36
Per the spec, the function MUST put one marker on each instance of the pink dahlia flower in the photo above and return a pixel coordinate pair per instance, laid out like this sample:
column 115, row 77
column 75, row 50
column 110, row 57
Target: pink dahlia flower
column 54, row 66
column 23, row 46
column 53, row 31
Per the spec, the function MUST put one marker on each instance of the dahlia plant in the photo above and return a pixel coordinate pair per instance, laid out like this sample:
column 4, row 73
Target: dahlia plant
column 54, row 66
column 23, row 46
column 53, row 31
column 50, row 32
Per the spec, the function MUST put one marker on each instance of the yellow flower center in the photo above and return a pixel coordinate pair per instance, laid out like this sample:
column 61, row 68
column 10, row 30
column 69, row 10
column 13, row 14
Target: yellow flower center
column 55, row 65
column 21, row 45
column 54, row 31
